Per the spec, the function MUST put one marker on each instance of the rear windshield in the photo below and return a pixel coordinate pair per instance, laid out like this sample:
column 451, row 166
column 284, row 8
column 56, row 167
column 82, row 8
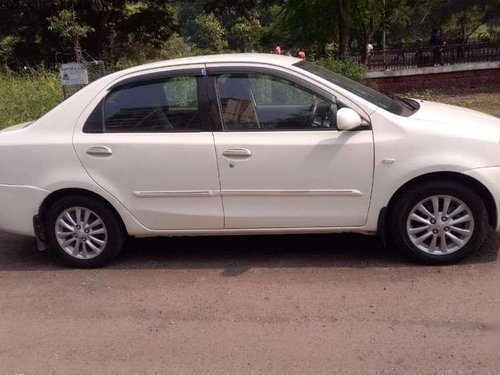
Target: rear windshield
column 370, row 95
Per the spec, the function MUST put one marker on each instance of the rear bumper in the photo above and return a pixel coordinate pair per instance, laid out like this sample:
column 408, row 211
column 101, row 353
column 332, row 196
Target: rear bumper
column 490, row 178
column 18, row 205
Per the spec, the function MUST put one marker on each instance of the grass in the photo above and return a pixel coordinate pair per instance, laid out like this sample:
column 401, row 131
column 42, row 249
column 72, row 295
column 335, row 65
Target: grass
column 27, row 96
column 481, row 99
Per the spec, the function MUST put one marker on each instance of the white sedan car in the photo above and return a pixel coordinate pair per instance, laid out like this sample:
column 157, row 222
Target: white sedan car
column 248, row 144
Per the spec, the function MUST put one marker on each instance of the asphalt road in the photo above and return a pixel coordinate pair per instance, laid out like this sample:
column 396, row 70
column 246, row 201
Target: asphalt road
column 319, row 304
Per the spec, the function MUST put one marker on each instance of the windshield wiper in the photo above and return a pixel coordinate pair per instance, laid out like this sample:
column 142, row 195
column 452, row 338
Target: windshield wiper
column 408, row 103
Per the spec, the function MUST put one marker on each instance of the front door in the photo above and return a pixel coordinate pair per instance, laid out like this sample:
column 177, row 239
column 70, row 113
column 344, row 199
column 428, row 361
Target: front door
column 154, row 152
column 282, row 161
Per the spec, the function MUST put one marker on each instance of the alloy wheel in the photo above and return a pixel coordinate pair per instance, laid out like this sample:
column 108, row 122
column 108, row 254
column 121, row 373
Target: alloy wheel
column 440, row 225
column 81, row 233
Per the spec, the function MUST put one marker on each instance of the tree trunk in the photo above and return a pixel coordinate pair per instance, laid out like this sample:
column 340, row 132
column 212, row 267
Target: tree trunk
column 77, row 49
column 344, row 22
column 364, row 49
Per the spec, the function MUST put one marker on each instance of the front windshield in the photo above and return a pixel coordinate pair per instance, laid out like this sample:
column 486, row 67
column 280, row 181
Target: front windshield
column 373, row 96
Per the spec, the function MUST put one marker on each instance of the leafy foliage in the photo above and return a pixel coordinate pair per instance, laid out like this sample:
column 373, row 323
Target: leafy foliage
column 7, row 47
column 49, row 32
column 349, row 69
column 210, row 34
column 65, row 23
column 245, row 34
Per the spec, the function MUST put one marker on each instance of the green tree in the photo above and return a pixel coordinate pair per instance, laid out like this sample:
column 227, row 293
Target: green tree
column 464, row 22
column 245, row 34
column 344, row 24
column 457, row 19
column 66, row 24
column 149, row 22
column 210, row 34
column 7, row 48
column 298, row 24
column 26, row 21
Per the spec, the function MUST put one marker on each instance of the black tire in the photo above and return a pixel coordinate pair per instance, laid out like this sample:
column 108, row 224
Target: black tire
column 115, row 233
column 402, row 208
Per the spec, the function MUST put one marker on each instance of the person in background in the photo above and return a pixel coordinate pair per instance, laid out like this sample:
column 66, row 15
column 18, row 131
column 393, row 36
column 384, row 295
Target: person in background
column 420, row 43
column 437, row 46
column 369, row 51
column 401, row 50
column 277, row 49
column 369, row 48
column 301, row 54
column 419, row 55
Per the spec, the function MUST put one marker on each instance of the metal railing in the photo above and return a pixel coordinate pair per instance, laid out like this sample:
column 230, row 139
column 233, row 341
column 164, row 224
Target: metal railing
column 394, row 59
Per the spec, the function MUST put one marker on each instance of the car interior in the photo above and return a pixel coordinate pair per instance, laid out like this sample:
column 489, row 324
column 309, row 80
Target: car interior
column 152, row 108
column 250, row 102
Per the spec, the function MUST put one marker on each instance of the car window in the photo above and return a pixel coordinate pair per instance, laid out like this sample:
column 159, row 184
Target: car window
column 270, row 90
column 166, row 106
column 367, row 93
column 253, row 101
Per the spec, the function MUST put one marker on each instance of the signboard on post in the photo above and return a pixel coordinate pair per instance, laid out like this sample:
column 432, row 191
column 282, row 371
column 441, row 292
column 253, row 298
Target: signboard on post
column 74, row 74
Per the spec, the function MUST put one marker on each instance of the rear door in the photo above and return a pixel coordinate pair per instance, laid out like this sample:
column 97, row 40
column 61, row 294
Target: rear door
column 149, row 144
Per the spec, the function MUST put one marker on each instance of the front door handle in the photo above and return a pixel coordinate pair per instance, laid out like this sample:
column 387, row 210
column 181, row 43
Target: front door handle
column 99, row 151
column 237, row 153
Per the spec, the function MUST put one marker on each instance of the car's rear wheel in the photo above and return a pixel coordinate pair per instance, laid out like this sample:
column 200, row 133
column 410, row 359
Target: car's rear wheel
column 83, row 232
column 439, row 222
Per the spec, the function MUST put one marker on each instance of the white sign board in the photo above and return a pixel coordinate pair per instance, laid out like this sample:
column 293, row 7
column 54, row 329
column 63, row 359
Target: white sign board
column 74, row 74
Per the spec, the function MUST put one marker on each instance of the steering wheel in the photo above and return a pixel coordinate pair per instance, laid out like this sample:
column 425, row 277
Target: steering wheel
column 312, row 115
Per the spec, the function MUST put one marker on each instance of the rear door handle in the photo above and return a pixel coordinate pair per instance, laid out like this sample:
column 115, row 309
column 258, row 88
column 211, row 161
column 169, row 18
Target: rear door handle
column 99, row 151
column 237, row 153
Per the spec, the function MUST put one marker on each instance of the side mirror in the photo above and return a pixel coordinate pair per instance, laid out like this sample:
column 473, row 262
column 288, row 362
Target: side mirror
column 347, row 119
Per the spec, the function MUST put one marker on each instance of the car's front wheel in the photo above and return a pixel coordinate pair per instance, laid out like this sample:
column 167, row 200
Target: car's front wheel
column 83, row 232
column 439, row 222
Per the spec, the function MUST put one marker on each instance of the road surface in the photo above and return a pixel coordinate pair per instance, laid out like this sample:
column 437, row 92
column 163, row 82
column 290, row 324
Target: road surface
column 312, row 304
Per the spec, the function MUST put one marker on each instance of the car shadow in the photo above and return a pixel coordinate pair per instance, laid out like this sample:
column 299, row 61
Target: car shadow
column 236, row 254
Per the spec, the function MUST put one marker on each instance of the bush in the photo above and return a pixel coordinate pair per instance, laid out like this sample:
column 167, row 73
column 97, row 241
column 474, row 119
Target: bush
column 348, row 68
column 7, row 48
column 27, row 96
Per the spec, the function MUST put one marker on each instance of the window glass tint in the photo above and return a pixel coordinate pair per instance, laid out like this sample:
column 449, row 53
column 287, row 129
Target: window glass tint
column 166, row 106
column 237, row 103
column 95, row 123
column 270, row 90
column 371, row 95
column 264, row 102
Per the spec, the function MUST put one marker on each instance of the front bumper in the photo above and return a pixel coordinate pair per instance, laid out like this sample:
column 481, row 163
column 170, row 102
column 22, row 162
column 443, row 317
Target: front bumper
column 490, row 178
column 18, row 205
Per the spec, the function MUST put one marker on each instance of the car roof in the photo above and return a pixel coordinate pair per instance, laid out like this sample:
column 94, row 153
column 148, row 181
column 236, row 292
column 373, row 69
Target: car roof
column 272, row 59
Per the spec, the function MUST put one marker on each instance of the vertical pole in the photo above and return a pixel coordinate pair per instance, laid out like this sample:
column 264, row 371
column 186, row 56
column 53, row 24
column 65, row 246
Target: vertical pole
column 383, row 35
column 383, row 27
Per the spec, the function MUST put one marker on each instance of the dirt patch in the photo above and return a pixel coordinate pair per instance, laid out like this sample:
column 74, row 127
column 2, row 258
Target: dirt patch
column 485, row 99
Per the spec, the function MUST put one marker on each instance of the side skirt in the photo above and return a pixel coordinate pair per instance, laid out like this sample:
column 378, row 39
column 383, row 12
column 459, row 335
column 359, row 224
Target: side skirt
column 252, row 231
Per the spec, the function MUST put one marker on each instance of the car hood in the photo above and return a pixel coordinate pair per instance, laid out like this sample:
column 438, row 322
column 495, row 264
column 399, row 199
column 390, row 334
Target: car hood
column 450, row 114
column 456, row 137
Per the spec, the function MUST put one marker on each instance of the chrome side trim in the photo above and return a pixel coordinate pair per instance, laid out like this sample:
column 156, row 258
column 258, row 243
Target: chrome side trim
column 176, row 194
column 247, row 193
column 291, row 193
